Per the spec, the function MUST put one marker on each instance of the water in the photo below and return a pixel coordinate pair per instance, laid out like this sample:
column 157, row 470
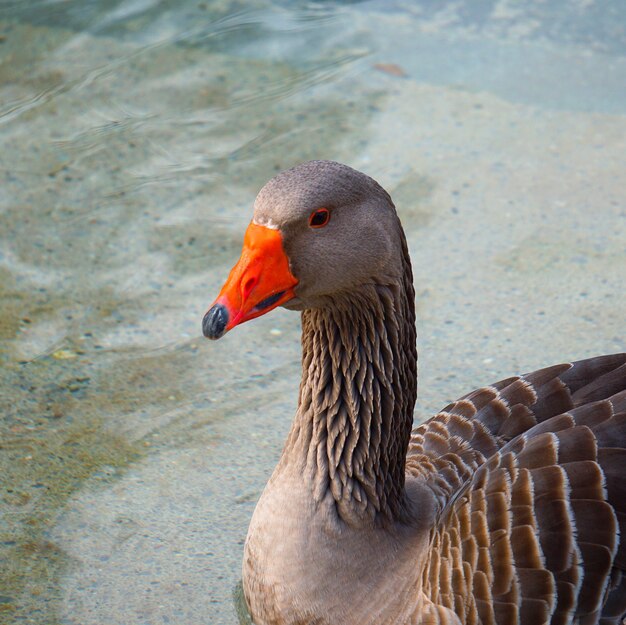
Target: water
column 134, row 136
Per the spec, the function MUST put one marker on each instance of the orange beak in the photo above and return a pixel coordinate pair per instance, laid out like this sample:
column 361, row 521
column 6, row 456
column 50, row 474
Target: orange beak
column 260, row 281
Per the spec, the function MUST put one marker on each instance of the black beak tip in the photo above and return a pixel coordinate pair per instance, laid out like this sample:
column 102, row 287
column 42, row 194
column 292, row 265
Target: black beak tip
column 215, row 321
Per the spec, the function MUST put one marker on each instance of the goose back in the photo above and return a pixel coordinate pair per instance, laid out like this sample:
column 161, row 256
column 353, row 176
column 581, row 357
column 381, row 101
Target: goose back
column 529, row 478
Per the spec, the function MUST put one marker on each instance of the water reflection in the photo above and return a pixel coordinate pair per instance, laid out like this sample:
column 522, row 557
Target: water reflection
column 134, row 137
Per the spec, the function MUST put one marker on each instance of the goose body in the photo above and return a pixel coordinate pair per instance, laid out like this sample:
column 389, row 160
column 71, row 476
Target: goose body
column 509, row 506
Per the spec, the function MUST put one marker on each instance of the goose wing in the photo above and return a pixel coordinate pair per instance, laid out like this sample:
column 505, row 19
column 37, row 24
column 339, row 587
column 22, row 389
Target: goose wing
column 530, row 476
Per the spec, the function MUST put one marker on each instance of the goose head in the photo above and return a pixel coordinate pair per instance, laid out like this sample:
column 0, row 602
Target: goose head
column 319, row 230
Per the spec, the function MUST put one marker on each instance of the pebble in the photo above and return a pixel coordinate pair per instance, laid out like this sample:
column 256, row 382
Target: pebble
column 63, row 354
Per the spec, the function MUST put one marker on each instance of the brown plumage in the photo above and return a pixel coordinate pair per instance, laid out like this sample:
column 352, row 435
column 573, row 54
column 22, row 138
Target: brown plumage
column 509, row 506
column 530, row 522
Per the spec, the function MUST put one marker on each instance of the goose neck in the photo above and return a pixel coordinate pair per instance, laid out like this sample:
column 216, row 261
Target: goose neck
column 357, row 395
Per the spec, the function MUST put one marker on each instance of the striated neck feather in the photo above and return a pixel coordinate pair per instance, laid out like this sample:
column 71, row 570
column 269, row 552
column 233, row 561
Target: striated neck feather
column 358, row 390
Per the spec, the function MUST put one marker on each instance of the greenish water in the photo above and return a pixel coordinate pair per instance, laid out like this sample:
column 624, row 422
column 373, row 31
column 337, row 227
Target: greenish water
column 133, row 139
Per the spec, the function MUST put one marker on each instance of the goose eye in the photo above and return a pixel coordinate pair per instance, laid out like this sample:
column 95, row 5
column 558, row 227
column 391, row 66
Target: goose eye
column 319, row 218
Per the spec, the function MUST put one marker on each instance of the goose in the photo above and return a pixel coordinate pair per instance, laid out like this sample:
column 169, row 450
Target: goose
column 507, row 507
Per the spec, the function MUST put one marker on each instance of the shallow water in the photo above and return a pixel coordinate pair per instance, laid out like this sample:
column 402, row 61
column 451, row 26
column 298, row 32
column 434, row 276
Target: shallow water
column 134, row 136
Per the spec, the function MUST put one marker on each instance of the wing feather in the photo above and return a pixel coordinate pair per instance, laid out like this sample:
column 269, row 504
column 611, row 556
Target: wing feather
column 529, row 475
